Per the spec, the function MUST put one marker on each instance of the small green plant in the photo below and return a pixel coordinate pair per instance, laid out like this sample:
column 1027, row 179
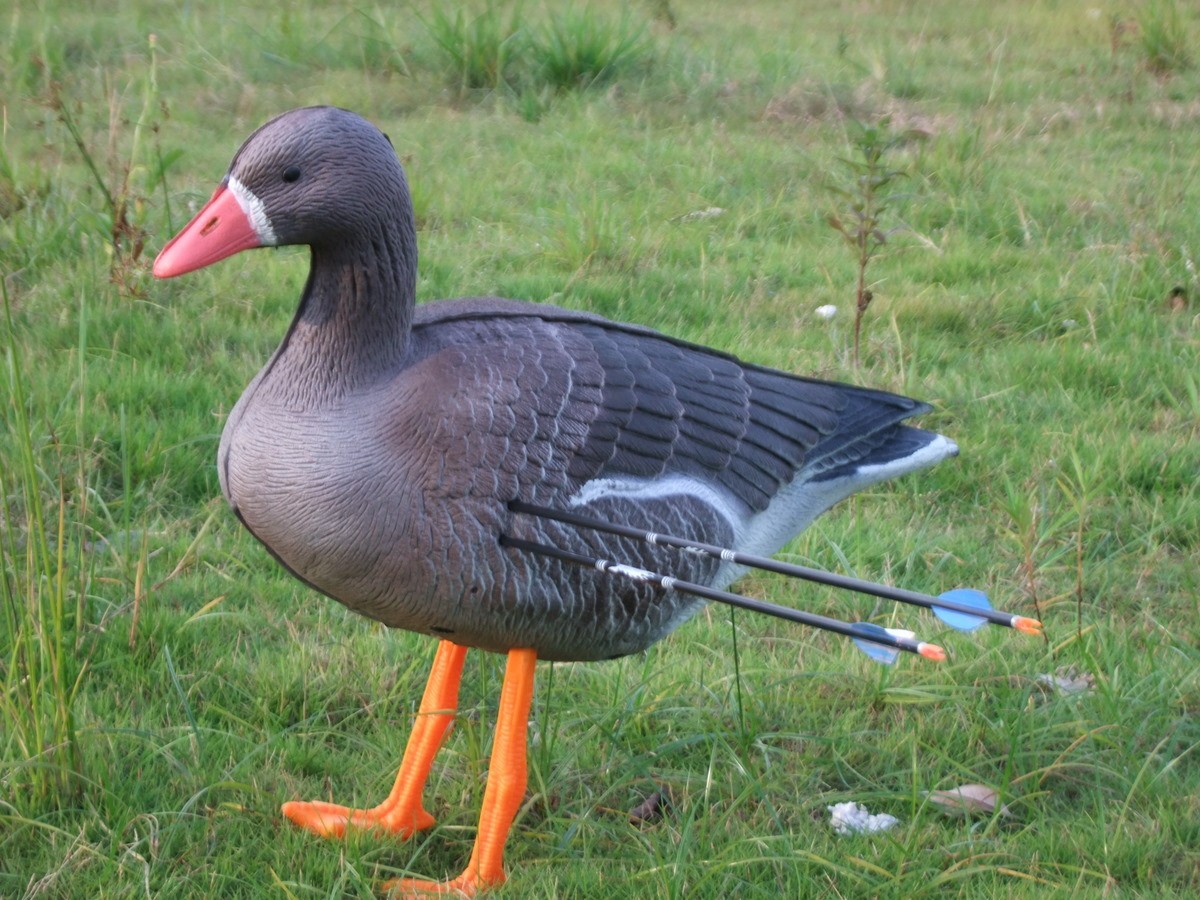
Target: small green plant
column 137, row 174
column 591, row 233
column 531, row 103
column 528, row 63
column 477, row 50
column 40, row 671
column 1078, row 483
column 866, row 198
column 11, row 200
column 579, row 48
column 1164, row 37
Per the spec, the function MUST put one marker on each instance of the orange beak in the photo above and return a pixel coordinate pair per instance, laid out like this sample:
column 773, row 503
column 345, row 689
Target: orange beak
column 219, row 230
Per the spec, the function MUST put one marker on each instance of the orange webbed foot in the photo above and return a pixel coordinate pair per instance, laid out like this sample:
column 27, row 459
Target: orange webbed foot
column 402, row 813
column 464, row 885
column 501, row 798
column 332, row 819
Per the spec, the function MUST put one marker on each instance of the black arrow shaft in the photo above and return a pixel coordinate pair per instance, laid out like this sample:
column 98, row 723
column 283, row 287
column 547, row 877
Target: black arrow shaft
column 831, row 579
column 666, row 582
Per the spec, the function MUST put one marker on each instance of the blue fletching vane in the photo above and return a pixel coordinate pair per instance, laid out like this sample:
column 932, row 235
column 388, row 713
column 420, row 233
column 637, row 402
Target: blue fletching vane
column 881, row 653
column 964, row 597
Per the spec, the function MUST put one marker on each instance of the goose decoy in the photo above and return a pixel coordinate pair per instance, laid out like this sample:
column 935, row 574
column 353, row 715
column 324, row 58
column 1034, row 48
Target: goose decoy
column 395, row 457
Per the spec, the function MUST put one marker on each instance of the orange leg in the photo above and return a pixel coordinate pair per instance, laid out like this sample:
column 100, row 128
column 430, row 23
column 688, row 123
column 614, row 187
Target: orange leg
column 401, row 813
column 504, row 793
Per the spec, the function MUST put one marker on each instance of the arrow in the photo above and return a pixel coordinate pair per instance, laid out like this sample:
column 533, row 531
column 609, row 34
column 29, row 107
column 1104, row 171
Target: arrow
column 863, row 633
column 964, row 609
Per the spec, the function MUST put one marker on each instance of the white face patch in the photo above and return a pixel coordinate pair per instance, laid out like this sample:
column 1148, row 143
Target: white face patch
column 254, row 210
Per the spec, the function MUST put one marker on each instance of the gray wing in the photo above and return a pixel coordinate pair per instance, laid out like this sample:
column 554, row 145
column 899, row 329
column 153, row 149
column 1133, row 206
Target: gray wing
column 668, row 407
column 568, row 410
column 622, row 402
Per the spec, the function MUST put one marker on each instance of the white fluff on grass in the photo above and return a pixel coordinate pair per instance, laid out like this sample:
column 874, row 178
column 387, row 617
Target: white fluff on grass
column 854, row 818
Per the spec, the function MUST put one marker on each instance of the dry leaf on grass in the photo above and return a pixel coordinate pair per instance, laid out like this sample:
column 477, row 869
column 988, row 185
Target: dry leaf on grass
column 650, row 810
column 969, row 800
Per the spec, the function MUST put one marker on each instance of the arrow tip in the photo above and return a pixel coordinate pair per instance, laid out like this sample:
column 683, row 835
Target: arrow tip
column 932, row 651
column 1026, row 625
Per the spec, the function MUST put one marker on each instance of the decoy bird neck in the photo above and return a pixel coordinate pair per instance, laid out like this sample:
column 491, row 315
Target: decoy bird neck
column 355, row 316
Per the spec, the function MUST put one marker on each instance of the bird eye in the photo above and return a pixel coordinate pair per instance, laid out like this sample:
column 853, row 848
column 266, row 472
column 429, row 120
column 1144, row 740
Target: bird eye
column 291, row 173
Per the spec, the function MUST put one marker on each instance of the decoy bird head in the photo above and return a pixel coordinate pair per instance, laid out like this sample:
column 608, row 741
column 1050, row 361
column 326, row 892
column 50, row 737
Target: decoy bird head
column 319, row 175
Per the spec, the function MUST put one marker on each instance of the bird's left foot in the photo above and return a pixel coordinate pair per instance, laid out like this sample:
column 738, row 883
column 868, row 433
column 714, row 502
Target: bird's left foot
column 331, row 819
column 465, row 885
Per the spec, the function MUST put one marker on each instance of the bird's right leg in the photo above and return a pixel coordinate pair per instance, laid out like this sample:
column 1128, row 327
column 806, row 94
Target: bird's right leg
column 402, row 813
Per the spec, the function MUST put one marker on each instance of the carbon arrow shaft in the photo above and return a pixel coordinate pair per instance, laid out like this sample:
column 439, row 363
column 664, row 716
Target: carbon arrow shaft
column 832, row 579
column 910, row 645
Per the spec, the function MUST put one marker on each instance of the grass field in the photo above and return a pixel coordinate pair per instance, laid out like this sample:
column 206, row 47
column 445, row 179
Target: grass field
column 166, row 686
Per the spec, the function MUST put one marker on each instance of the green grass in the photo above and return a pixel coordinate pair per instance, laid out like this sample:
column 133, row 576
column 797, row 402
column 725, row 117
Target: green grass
column 194, row 686
column 501, row 52
column 1164, row 36
column 580, row 48
column 476, row 49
